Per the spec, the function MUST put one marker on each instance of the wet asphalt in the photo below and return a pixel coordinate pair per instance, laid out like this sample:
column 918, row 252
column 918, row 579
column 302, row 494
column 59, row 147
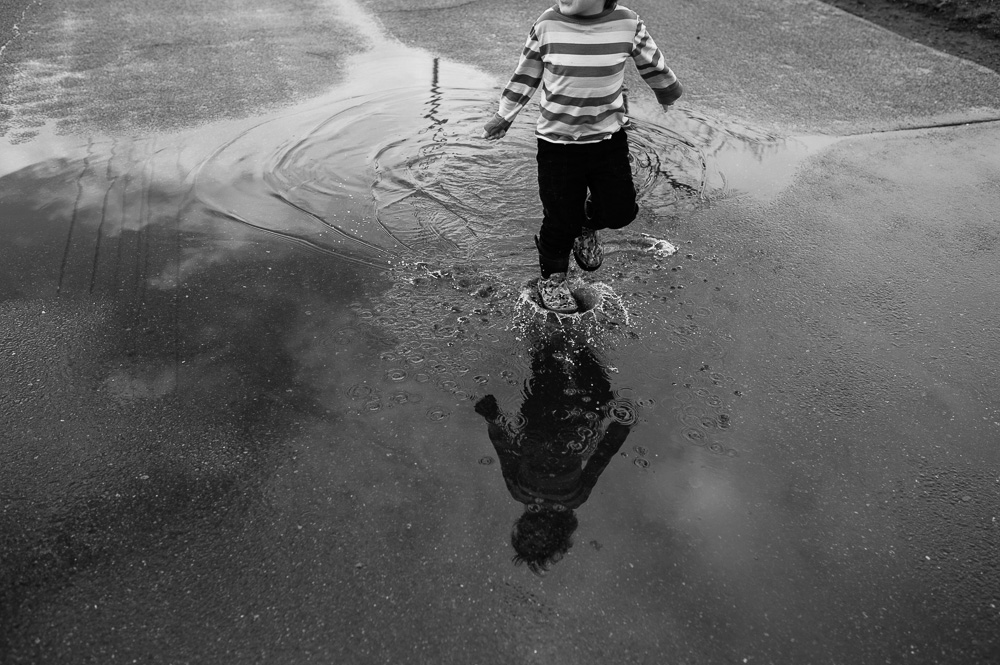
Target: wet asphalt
column 855, row 302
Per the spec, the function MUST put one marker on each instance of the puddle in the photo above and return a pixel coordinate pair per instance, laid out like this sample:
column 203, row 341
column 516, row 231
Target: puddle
column 374, row 225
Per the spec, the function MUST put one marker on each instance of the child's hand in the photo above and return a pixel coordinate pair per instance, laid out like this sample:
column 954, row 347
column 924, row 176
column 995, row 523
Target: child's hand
column 496, row 128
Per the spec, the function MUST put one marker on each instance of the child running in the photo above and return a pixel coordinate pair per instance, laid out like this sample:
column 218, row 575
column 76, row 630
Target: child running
column 577, row 51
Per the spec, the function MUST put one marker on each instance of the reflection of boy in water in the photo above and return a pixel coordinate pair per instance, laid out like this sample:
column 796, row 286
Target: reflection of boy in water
column 552, row 455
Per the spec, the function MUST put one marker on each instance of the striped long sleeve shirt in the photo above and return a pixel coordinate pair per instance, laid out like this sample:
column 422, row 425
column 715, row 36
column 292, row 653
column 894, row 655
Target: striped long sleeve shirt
column 579, row 62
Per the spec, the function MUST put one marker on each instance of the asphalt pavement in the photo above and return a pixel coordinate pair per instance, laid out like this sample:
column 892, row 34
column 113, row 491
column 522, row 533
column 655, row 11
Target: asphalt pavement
column 207, row 458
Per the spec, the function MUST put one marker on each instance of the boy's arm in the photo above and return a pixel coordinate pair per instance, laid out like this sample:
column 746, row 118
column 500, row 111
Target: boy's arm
column 609, row 446
column 488, row 408
column 653, row 68
column 520, row 88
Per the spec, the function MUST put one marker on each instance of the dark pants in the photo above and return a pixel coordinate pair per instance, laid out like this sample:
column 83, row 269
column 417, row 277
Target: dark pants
column 565, row 173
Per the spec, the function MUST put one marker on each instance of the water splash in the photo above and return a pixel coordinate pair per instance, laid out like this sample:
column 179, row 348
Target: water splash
column 661, row 249
column 599, row 305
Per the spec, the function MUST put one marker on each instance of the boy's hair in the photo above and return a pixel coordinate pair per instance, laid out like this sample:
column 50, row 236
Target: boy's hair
column 542, row 538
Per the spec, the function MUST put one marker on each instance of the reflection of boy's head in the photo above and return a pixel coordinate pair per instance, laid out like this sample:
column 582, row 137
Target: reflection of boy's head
column 542, row 536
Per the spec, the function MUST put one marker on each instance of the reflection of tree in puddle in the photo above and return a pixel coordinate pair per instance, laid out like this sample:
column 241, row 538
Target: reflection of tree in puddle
column 568, row 429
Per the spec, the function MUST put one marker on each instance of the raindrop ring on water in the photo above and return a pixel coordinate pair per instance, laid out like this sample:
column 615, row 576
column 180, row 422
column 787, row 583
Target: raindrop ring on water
column 623, row 393
column 691, row 420
column 403, row 397
column 360, row 391
column 517, row 421
column 438, row 414
column 396, row 375
column 695, row 436
column 486, row 460
column 641, row 463
column 345, row 335
column 622, row 412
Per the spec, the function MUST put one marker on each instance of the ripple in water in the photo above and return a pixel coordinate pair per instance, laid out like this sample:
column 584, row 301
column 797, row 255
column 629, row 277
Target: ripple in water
column 622, row 411
column 396, row 171
column 437, row 414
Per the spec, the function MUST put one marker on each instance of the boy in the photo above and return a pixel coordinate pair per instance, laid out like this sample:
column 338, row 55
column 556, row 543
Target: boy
column 577, row 51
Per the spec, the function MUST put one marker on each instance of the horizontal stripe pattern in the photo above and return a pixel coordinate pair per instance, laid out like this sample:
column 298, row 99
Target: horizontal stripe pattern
column 579, row 63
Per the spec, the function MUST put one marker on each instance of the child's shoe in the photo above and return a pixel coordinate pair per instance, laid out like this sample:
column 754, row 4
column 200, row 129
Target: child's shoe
column 555, row 294
column 587, row 250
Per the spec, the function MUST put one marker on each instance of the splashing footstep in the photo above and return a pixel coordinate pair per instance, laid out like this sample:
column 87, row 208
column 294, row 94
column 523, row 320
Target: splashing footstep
column 597, row 301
